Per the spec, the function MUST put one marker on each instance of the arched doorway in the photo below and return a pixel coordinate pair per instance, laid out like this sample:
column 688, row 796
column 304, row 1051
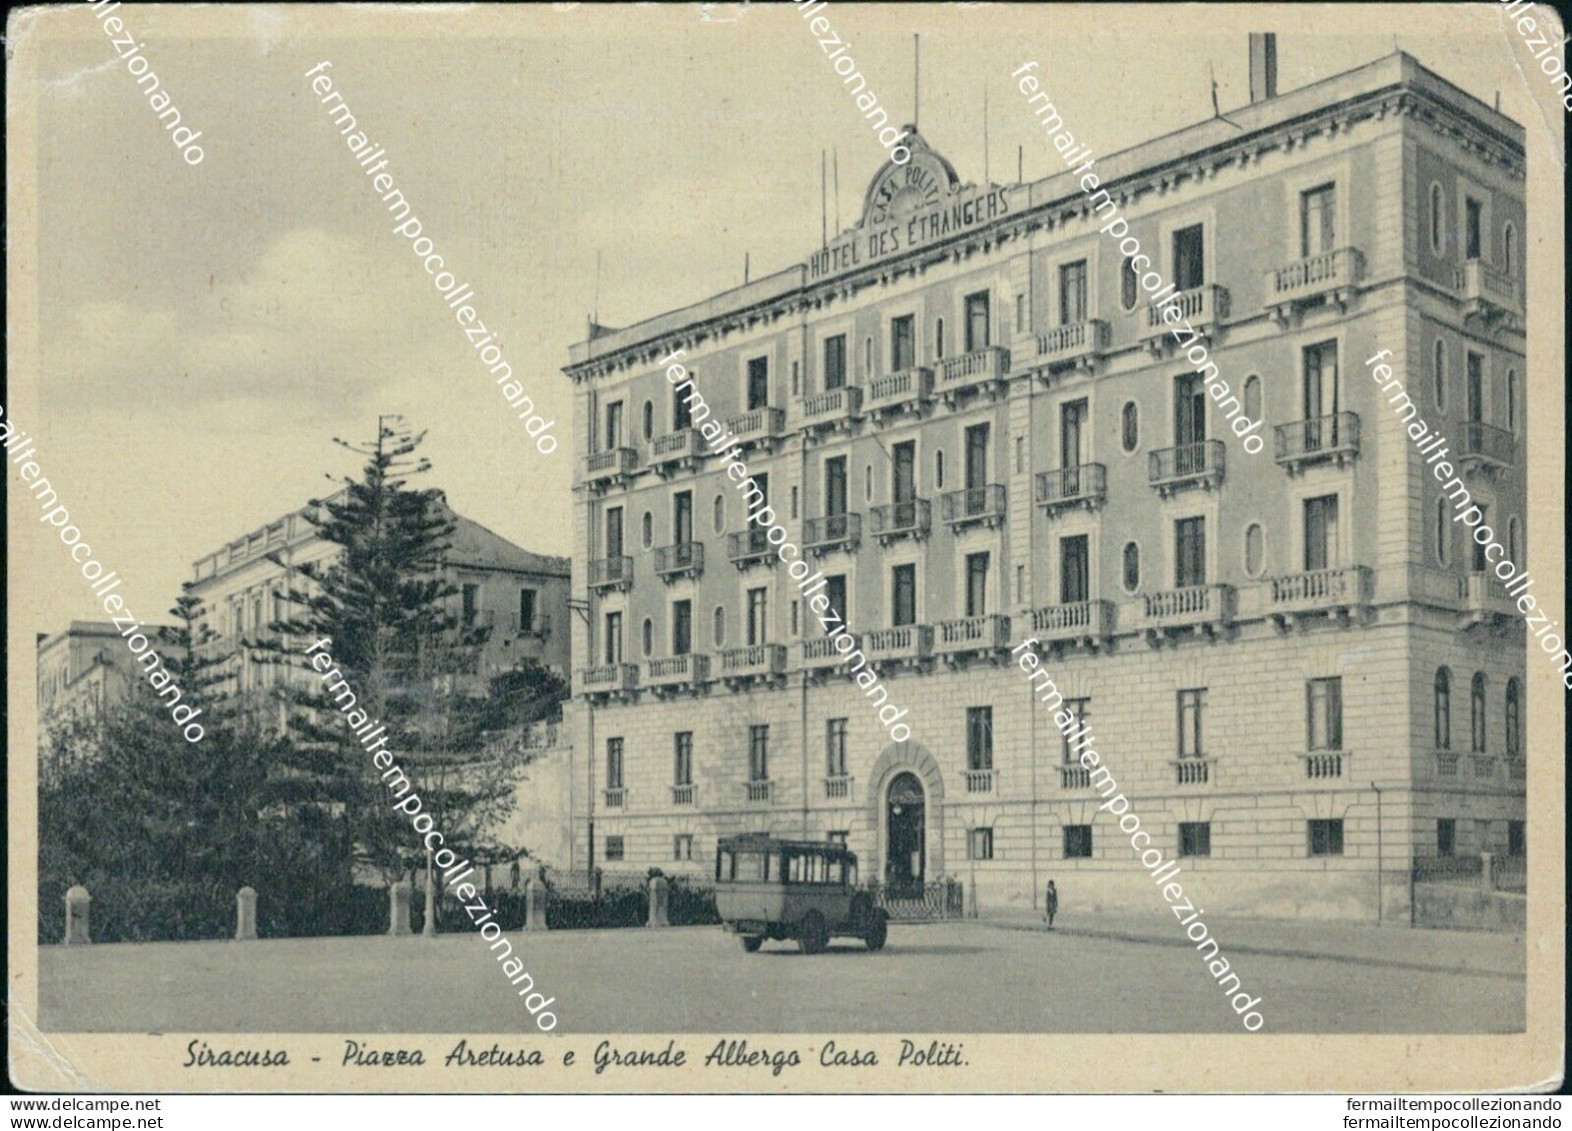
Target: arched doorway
column 906, row 855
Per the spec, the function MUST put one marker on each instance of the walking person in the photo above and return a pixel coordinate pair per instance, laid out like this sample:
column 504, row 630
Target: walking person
column 1050, row 903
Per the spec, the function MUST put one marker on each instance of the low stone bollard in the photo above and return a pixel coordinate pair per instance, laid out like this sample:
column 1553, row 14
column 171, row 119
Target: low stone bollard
column 1486, row 883
column 77, row 901
column 246, row 914
column 398, row 908
column 660, row 902
column 534, row 905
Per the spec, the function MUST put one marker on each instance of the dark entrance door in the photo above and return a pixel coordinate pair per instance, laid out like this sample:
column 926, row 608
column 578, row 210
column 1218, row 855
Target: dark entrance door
column 906, row 857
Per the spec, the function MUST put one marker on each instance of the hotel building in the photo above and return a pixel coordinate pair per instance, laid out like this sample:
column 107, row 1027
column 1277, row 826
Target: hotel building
column 977, row 425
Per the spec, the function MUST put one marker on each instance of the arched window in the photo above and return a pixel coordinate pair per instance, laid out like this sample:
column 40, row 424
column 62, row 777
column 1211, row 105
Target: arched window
column 1511, row 405
column 1130, row 426
column 720, row 625
column 867, row 356
column 1438, row 374
column 1441, row 530
column 1443, row 709
column 938, row 338
column 1476, row 713
column 867, row 482
column 938, row 470
column 1509, row 252
column 647, row 637
column 1514, row 732
column 1514, row 543
column 649, row 419
column 1255, row 549
column 1127, row 286
column 647, row 530
column 1437, row 219
column 720, row 513
column 1132, row 567
column 1252, row 397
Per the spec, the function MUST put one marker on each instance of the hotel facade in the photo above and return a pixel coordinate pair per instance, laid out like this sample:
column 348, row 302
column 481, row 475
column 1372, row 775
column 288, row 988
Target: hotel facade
column 980, row 430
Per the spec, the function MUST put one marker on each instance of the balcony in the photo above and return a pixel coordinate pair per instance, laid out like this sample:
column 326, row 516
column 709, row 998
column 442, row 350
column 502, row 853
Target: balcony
column 832, row 411
column 1189, row 465
column 1080, row 345
column 740, row 666
column 973, row 505
column 760, row 427
column 615, row 797
column 908, row 390
column 1204, row 308
column 837, row 787
column 682, row 794
column 1486, row 448
column 611, row 467
column 611, row 573
column 1490, row 295
column 822, row 653
column 1080, row 622
column 1517, row 769
column 677, row 451
column 1483, row 767
column 1486, row 599
column 893, row 521
column 749, row 547
column 681, row 559
column 981, row 370
column 1085, row 485
column 616, row 680
column 1206, row 607
column 908, row 644
column 980, row 781
column 832, row 532
column 1338, row 592
column 1192, row 771
column 1333, row 276
column 1318, row 440
column 537, row 625
column 1446, row 763
column 759, row 792
column 1074, row 776
column 973, row 636
column 677, row 673
column 1321, row 765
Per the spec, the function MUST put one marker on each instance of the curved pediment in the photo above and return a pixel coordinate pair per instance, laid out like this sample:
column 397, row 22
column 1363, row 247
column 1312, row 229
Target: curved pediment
column 900, row 191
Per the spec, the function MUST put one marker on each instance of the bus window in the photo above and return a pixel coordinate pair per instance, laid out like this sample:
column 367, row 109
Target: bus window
column 725, row 865
column 752, row 866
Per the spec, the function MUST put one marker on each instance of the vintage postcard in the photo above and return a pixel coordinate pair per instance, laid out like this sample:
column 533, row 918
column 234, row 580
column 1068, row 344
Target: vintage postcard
column 496, row 605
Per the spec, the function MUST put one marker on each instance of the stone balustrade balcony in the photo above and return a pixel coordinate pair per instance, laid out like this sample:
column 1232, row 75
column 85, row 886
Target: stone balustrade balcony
column 1486, row 447
column 616, row 797
column 908, row 643
column 1339, row 592
column 1079, row 622
column 1189, row 465
column 1321, row 439
column 1207, row 607
column 1333, row 276
column 677, row 673
column 751, row 662
column 821, row 652
column 977, row 636
column 1204, row 307
column 610, row 467
column 906, row 390
column 1490, row 294
column 759, row 792
column 682, row 794
column 609, row 679
column 1193, row 771
column 1073, row 775
column 1084, row 485
column 832, row 410
column 981, row 370
column 676, row 451
column 981, row 781
column 1080, row 345
column 759, row 427
column 890, row 522
column 837, row 787
column 1485, row 598
column 832, row 532
column 1321, row 765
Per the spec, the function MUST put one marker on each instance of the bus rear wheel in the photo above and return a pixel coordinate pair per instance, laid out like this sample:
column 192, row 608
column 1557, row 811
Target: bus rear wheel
column 751, row 943
column 814, row 935
column 878, row 929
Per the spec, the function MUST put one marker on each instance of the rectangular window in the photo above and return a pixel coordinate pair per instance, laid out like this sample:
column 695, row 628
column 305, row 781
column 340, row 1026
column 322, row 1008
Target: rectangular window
column 1077, row 841
column 903, row 595
column 1446, row 836
column 614, row 425
column 1317, row 221
column 835, row 594
column 1479, row 563
column 1326, row 837
column 979, row 844
column 1321, row 538
column 1189, row 420
column 614, row 763
column 1189, row 552
column 758, row 383
column 1074, row 570
column 759, row 753
column 614, row 850
column 903, row 342
column 1517, row 839
column 1324, row 703
column 1192, row 712
column 977, row 321
column 1476, row 386
column 1072, row 293
column 794, row 629
column 682, row 846
column 1072, row 439
column 613, row 650
column 682, row 758
column 526, row 610
column 614, row 532
column 835, row 487
column 1195, row 838
column 835, row 362
column 976, row 467
column 1020, row 315
column 681, row 627
column 977, row 584
column 1189, row 258
column 1473, row 213
column 835, row 748
column 469, row 596
column 1080, row 711
column 758, row 613
column 681, row 408
column 1320, row 394
column 903, row 482
column 682, row 517
column 979, row 738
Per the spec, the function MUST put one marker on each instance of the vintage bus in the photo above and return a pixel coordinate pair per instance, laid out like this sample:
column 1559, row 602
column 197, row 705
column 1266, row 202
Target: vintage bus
column 803, row 890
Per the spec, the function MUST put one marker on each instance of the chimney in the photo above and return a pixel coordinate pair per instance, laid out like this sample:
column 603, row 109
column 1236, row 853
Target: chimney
column 1263, row 66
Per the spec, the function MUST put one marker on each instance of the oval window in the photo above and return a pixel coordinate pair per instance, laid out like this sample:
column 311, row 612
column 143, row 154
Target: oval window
column 1130, row 427
column 1132, row 567
column 648, row 637
column 720, row 625
column 649, row 419
column 647, row 530
column 1438, row 374
column 1255, row 549
column 720, row 513
column 1127, row 286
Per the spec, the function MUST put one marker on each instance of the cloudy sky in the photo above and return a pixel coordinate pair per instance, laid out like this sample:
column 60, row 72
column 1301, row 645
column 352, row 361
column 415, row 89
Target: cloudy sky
column 204, row 332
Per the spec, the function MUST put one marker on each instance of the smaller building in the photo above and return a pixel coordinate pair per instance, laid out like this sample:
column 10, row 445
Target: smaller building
column 83, row 669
